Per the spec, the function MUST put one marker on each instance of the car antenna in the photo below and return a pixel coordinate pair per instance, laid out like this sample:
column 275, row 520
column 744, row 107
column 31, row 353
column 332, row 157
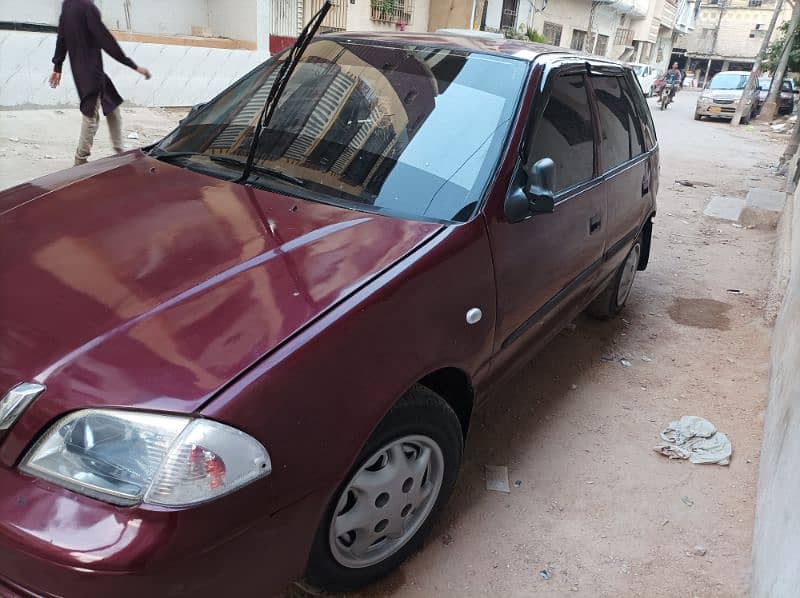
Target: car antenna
column 275, row 92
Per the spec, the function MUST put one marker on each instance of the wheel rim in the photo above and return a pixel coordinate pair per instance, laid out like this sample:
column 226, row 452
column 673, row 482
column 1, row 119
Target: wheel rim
column 628, row 274
column 386, row 501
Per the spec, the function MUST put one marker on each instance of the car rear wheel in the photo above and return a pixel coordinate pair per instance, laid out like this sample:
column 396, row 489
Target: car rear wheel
column 380, row 514
column 613, row 298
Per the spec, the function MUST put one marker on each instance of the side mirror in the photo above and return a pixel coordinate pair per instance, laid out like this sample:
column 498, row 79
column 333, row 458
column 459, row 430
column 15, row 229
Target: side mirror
column 536, row 196
column 542, row 179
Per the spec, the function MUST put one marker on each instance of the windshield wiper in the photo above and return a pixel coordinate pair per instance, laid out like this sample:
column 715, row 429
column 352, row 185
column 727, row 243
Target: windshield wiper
column 263, row 170
column 279, row 85
column 229, row 161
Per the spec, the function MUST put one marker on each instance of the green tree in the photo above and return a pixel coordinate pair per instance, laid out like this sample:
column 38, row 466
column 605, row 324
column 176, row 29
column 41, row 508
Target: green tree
column 775, row 49
column 526, row 33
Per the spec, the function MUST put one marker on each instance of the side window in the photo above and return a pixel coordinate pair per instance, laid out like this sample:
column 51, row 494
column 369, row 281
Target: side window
column 621, row 136
column 645, row 118
column 565, row 134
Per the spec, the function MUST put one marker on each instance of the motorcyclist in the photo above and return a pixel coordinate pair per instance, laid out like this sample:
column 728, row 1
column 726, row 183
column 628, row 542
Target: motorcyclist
column 673, row 78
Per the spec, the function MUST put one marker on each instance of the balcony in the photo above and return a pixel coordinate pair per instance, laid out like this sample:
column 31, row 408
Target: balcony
column 623, row 37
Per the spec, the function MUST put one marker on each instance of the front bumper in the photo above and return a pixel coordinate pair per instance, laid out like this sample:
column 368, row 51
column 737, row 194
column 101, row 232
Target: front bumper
column 716, row 110
column 54, row 542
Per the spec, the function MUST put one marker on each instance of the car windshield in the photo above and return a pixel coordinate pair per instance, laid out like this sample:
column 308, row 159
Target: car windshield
column 637, row 68
column 728, row 81
column 414, row 131
column 765, row 84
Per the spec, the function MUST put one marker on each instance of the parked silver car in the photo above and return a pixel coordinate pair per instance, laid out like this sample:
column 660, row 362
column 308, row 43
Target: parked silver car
column 721, row 96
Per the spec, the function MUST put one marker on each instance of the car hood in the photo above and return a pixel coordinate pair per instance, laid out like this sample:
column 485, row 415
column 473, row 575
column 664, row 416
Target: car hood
column 131, row 282
column 724, row 94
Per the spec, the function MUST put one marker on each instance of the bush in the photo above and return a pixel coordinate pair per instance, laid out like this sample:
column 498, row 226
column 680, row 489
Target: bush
column 527, row 34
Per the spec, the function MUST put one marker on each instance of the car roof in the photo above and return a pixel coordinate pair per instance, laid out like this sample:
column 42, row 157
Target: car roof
column 514, row 48
column 733, row 73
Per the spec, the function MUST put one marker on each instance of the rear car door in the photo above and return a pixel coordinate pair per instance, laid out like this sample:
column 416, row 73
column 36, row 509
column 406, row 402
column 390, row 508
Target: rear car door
column 546, row 263
column 624, row 163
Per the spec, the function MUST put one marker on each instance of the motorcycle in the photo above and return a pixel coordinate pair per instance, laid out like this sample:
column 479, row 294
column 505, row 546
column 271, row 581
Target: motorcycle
column 666, row 95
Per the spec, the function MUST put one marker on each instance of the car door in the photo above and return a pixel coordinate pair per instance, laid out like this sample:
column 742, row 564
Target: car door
column 624, row 164
column 545, row 263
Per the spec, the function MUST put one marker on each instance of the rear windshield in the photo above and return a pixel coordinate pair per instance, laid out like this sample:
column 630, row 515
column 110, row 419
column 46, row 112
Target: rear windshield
column 765, row 84
column 413, row 131
column 728, row 81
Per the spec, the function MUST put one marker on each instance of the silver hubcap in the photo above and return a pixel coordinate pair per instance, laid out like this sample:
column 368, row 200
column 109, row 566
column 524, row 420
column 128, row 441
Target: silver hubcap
column 386, row 501
column 628, row 274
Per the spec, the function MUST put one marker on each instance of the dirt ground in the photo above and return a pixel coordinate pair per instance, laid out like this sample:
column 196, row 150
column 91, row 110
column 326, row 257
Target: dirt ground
column 591, row 503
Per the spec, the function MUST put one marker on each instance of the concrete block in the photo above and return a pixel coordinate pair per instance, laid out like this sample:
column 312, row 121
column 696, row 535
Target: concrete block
column 725, row 207
column 763, row 208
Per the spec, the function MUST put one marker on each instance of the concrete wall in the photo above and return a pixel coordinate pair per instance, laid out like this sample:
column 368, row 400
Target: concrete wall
column 182, row 75
column 235, row 19
column 738, row 22
column 776, row 541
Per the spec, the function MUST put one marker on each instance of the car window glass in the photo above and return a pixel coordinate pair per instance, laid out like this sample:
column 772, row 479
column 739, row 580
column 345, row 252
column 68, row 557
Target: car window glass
column 565, row 133
column 621, row 136
column 415, row 132
column 637, row 138
column 645, row 119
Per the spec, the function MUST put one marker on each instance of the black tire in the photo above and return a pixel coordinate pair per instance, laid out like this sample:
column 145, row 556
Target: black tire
column 606, row 305
column 698, row 116
column 419, row 412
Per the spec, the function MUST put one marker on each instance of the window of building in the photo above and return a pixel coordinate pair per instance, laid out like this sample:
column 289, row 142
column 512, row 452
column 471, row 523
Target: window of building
column 758, row 31
column 565, row 133
column 602, row 45
column 754, row 3
column 578, row 39
column 620, row 136
column 623, row 37
column 552, row 33
column 392, row 11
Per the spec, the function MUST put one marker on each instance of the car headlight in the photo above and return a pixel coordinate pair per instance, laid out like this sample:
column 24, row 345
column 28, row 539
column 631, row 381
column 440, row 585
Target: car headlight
column 127, row 458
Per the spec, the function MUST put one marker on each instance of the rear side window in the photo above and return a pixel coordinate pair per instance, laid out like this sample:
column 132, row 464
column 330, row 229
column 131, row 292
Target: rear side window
column 621, row 137
column 645, row 118
column 565, row 133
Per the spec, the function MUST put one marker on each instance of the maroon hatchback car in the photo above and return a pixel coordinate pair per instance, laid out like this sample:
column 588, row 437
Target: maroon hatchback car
column 213, row 387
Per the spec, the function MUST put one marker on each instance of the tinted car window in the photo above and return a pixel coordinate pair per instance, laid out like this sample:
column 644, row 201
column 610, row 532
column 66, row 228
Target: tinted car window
column 565, row 133
column 413, row 131
column 621, row 137
column 645, row 118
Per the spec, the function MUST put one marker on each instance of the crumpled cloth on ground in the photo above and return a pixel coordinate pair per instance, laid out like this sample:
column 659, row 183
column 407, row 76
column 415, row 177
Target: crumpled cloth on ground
column 696, row 439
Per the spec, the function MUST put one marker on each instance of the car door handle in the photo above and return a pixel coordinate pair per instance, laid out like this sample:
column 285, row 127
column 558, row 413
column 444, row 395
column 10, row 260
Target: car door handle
column 594, row 224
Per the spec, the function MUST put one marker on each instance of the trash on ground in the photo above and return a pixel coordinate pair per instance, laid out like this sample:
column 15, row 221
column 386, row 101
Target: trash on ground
column 734, row 291
column 737, row 225
column 544, row 574
column 779, row 127
column 14, row 139
column 133, row 135
column 573, row 387
column 625, row 363
column 647, row 359
column 696, row 439
column 517, row 483
column 699, row 551
column 687, row 501
column 497, row 478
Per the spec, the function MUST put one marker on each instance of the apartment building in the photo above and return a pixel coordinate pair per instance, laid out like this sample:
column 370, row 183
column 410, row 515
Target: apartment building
column 631, row 30
column 729, row 33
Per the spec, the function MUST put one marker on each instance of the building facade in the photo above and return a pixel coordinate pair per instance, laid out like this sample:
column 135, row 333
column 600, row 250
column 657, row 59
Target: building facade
column 630, row 30
column 729, row 33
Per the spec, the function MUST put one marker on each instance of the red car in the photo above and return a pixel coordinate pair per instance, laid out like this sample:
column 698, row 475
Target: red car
column 216, row 384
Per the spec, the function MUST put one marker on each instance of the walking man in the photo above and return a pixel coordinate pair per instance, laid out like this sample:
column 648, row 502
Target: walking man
column 82, row 35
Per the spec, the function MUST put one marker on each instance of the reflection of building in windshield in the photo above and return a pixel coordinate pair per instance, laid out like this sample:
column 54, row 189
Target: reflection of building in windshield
column 347, row 113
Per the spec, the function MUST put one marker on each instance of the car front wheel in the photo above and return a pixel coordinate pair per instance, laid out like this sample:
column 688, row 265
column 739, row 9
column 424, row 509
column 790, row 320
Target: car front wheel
column 380, row 514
